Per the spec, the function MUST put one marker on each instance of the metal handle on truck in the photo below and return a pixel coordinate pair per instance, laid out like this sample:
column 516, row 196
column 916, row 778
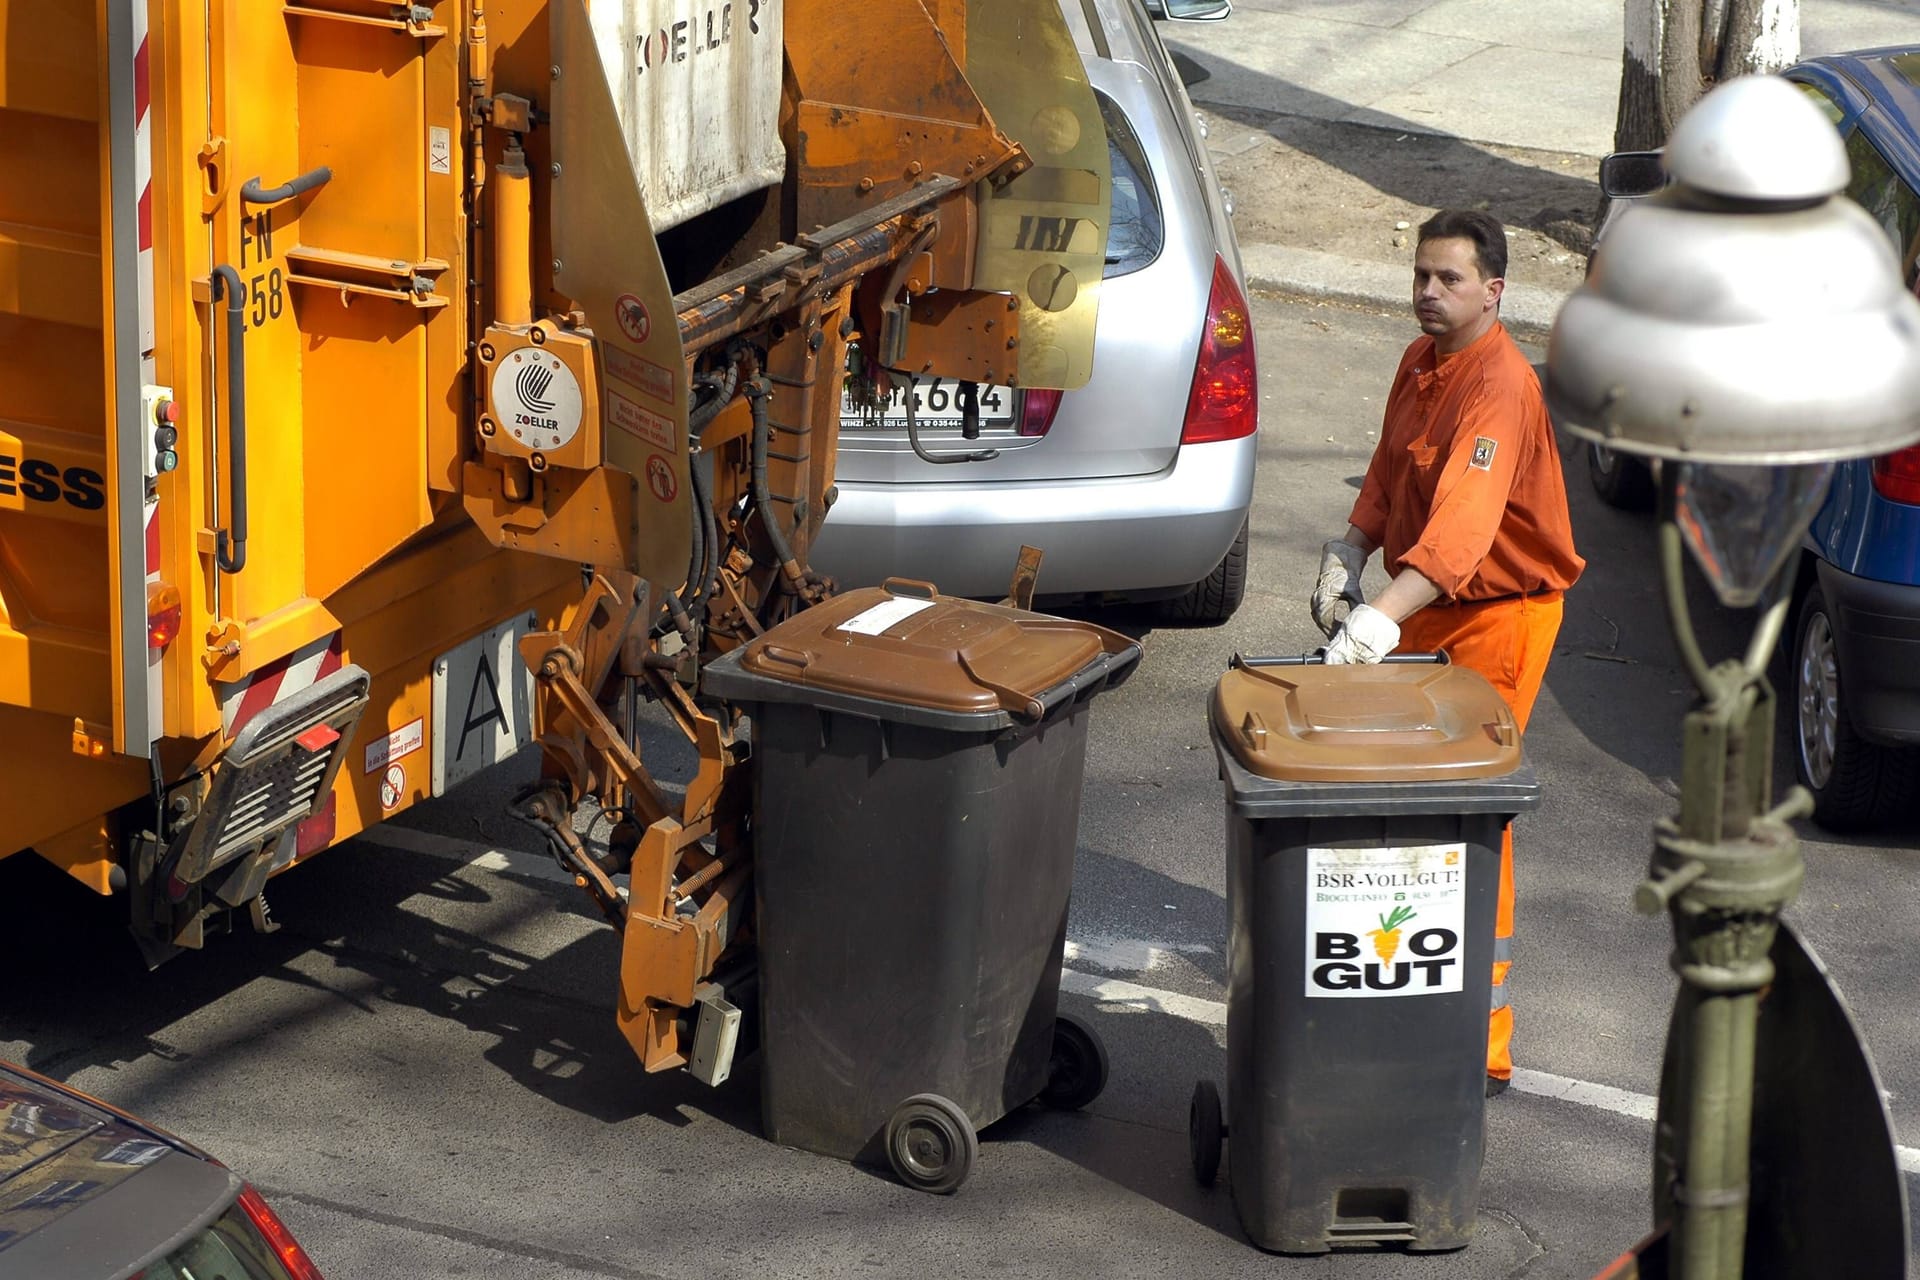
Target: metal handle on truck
column 231, row 553
column 1240, row 662
column 253, row 193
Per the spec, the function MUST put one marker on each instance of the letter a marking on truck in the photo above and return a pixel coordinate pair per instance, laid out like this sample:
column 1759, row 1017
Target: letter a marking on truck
column 484, row 695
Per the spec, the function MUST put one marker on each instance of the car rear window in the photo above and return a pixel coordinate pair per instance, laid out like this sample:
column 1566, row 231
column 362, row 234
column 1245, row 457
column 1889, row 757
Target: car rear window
column 1134, row 231
column 1879, row 190
column 228, row 1248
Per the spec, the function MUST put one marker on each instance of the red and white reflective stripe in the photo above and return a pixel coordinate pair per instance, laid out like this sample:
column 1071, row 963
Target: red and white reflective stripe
column 143, row 183
column 279, row 680
column 143, row 180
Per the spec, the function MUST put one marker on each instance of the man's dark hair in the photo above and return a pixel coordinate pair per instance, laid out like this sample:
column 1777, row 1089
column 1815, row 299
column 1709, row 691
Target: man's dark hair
column 1483, row 229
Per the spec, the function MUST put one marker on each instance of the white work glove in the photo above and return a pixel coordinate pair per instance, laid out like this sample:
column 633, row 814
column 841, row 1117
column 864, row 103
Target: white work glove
column 1367, row 636
column 1338, row 590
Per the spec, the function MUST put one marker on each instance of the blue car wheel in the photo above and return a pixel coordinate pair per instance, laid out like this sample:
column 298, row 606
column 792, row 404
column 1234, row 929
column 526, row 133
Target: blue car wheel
column 1856, row 784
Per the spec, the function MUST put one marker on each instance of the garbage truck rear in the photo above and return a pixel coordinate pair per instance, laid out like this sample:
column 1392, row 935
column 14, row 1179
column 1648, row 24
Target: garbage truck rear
column 386, row 388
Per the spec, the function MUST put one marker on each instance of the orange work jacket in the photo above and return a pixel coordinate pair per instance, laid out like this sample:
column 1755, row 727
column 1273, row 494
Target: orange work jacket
column 1465, row 484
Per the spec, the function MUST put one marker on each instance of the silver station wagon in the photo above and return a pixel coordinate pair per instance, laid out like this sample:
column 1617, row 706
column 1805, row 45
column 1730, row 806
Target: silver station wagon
column 1136, row 486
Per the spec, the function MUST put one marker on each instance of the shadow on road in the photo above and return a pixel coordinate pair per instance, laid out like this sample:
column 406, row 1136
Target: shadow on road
column 79, row 997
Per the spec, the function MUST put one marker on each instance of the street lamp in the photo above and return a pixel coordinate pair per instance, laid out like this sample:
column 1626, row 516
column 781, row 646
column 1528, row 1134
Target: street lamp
column 1747, row 327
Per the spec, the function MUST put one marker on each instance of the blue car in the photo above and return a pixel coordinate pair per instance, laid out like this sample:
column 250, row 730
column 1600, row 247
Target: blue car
column 90, row 1193
column 1855, row 638
column 1856, row 635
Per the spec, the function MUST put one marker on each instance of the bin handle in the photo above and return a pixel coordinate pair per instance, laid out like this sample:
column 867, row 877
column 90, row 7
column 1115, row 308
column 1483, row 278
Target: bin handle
column 1118, row 654
column 913, row 587
column 1241, row 662
column 1013, row 701
column 792, row 657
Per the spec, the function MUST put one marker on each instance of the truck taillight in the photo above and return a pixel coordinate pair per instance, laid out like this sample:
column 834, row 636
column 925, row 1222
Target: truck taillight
column 163, row 615
column 1896, row 476
column 285, row 1248
column 1037, row 410
column 1225, row 401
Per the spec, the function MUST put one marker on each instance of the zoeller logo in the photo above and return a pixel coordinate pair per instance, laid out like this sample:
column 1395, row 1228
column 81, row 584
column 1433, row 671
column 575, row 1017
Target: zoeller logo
column 532, row 386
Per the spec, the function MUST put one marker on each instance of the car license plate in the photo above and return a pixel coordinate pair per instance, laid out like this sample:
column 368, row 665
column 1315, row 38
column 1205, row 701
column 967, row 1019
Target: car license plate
column 936, row 403
column 482, row 705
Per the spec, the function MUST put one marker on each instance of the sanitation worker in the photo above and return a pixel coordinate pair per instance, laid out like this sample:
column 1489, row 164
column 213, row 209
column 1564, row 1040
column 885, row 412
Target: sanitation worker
column 1465, row 500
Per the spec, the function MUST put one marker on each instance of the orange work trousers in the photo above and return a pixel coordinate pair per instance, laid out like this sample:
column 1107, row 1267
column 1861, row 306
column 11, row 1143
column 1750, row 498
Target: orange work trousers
column 1508, row 642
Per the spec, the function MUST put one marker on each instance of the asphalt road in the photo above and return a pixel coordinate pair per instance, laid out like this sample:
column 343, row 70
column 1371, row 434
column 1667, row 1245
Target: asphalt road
column 422, row 1071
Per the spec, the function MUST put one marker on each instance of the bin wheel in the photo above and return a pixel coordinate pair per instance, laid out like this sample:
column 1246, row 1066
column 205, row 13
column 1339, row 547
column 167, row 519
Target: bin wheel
column 1205, row 1132
column 1077, row 1071
column 931, row 1144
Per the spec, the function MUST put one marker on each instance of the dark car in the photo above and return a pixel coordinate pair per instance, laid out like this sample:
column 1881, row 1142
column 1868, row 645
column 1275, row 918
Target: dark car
column 87, row 1192
column 1855, row 641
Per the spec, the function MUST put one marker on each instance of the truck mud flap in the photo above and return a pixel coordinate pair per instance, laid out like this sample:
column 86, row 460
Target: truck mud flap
column 279, row 769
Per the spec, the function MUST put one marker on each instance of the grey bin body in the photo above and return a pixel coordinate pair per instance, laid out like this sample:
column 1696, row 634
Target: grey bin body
column 912, row 872
column 1354, row 1120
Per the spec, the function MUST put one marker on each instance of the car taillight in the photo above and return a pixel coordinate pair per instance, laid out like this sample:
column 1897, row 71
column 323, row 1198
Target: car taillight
column 1036, row 414
column 298, row 1265
column 1896, row 476
column 163, row 615
column 1225, row 401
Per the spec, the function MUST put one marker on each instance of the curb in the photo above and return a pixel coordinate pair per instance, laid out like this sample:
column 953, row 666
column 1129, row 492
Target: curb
column 1527, row 311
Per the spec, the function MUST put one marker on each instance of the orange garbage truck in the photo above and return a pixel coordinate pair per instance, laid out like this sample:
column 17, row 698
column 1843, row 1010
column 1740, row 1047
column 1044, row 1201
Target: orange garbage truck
column 385, row 388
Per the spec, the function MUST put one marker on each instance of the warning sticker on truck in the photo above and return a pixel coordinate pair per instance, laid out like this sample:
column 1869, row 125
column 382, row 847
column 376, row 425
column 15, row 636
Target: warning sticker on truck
column 637, row 371
column 1386, row 922
column 630, row 417
column 402, row 742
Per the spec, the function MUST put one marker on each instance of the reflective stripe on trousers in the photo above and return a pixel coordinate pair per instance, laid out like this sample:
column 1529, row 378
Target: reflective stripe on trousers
column 1509, row 642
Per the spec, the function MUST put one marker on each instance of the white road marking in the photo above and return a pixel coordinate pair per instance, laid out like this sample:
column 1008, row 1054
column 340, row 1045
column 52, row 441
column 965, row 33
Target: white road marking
column 1541, row 1084
column 1602, row 1097
column 1113, row 992
column 1132, row 996
column 1127, row 955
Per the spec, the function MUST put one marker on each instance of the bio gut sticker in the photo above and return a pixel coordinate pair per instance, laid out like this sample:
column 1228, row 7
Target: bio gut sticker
column 1386, row 922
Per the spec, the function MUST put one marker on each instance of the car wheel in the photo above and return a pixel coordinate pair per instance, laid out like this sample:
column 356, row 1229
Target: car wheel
column 1621, row 480
column 1213, row 599
column 1856, row 784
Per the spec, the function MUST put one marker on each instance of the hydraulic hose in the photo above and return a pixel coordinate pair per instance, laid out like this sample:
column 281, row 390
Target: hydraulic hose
column 707, row 554
column 696, row 549
column 723, row 385
column 706, row 524
column 758, row 393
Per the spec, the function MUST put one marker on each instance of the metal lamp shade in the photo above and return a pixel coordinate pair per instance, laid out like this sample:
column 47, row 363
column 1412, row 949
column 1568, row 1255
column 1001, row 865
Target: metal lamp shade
column 1723, row 325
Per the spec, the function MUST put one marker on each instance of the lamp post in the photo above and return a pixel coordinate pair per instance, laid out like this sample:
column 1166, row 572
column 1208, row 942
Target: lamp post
column 1748, row 328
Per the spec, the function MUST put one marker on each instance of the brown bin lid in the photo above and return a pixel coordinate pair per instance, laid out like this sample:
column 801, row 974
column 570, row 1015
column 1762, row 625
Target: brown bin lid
column 1397, row 722
column 894, row 644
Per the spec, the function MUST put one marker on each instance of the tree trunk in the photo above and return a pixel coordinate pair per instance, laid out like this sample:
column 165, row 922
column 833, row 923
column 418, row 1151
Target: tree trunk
column 1676, row 50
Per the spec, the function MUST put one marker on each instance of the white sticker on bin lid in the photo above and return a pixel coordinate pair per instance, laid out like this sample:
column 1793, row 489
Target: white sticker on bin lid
column 1386, row 922
column 871, row 622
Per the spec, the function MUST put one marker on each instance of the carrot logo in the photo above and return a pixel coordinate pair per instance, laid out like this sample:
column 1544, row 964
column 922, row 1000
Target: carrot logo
column 1386, row 939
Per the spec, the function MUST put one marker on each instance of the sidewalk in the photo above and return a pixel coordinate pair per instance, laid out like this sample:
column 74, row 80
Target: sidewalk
column 1526, row 310
column 1513, row 99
